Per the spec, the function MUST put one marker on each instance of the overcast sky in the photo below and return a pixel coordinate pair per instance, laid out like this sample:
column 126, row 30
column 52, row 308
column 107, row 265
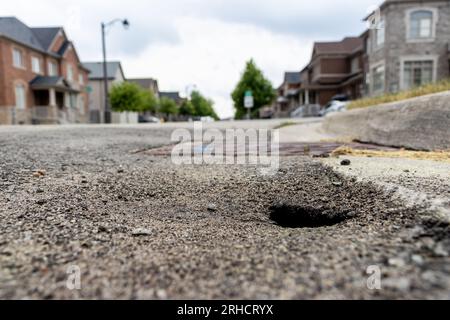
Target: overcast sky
column 199, row 42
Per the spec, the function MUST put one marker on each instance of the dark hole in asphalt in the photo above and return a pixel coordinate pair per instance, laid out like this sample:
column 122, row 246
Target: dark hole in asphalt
column 298, row 216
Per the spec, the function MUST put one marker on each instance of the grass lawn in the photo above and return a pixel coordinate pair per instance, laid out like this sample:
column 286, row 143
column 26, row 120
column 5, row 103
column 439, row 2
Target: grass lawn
column 416, row 92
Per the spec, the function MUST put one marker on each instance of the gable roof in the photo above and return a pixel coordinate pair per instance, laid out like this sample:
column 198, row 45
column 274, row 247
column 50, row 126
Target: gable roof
column 171, row 95
column 346, row 46
column 96, row 69
column 144, row 82
column 64, row 48
column 15, row 29
column 39, row 39
column 46, row 35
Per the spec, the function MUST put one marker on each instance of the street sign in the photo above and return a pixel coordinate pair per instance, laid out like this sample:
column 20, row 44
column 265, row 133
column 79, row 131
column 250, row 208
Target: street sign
column 248, row 100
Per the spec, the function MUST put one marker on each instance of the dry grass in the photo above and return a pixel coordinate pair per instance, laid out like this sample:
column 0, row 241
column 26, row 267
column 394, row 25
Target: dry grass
column 442, row 156
column 285, row 124
column 416, row 92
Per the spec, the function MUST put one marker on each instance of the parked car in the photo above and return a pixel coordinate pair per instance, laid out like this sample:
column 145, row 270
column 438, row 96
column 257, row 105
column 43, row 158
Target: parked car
column 306, row 111
column 340, row 97
column 298, row 113
column 334, row 106
column 204, row 119
column 147, row 119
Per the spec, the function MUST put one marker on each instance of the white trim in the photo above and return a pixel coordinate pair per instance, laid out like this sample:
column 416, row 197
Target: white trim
column 22, row 58
column 381, row 27
column 70, row 72
column 24, row 87
column 39, row 60
column 49, row 69
column 434, row 22
column 404, row 59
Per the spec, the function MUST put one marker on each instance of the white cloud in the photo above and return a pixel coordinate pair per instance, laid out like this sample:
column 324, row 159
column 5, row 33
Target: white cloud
column 197, row 41
column 213, row 60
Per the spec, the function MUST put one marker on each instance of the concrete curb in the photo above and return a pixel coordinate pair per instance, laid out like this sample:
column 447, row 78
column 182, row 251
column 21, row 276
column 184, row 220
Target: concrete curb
column 421, row 123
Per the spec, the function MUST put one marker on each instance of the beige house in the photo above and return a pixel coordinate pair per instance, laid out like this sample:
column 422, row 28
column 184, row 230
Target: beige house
column 408, row 45
column 97, row 97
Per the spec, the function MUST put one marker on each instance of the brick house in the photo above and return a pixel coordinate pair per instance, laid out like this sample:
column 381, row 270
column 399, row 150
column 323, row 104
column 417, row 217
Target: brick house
column 335, row 68
column 41, row 78
column 408, row 45
column 288, row 95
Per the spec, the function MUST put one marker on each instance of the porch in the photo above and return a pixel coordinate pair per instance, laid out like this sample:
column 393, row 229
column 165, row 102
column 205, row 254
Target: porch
column 55, row 102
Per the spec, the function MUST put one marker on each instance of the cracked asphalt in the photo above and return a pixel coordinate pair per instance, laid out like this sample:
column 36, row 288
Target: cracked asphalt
column 139, row 227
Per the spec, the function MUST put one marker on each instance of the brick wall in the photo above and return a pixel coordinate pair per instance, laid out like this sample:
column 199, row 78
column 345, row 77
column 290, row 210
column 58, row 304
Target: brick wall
column 12, row 75
column 334, row 65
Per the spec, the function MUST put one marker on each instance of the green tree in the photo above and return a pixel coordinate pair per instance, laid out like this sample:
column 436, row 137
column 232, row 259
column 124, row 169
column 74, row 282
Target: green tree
column 168, row 106
column 252, row 79
column 203, row 107
column 126, row 97
column 187, row 109
column 149, row 101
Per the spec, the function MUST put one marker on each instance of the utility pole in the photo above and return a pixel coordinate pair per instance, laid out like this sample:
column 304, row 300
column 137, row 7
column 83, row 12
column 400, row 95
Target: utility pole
column 107, row 111
column 107, row 108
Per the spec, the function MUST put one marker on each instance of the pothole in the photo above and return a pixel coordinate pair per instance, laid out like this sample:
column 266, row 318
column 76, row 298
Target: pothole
column 306, row 216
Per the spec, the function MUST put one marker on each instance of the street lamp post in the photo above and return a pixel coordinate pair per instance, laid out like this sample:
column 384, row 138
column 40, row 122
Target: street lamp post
column 105, row 26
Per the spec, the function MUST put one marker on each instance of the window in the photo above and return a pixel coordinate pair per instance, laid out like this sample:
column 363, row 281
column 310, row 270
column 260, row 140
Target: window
column 368, row 45
column 36, row 64
column 378, row 79
column 421, row 24
column 80, row 79
column 69, row 72
column 73, row 100
column 380, row 33
column 355, row 65
column 18, row 58
column 416, row 73
column 21, row 100
column 52, row 69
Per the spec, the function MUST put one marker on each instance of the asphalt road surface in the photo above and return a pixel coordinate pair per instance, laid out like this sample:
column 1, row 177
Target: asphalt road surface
column 137, row 226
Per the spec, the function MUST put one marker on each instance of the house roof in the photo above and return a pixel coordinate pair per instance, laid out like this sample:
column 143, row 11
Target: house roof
column 346, row 46
column 389, row 2
column 45, row 82
column 15, row 29
column 46, row 35
column 64, row 48
column 171, row 95
column 96, row 69
column 145, row 82
column 292, row 77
